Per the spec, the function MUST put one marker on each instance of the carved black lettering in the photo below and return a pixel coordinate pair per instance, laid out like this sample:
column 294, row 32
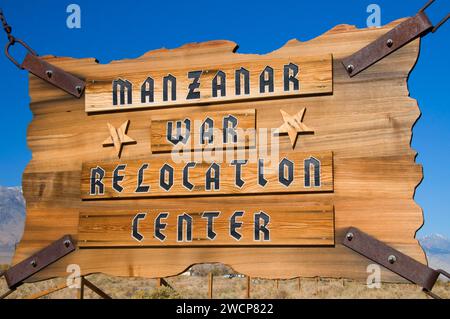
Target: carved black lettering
column 179, row 137
column 238, row 171
column 148, row 91
column 315, row 163
column 186, row 182
column 173, row 88
column 210, row 223
column 230, row 130
column 117, row 178
column 286, row 166
column 213, row 177
column 219, row 84
column 122, row 85
column 266, row 80
column 290, row 76
column 166, row 177
column 135, row 226
column 160, row 226
column 261, row 180
column 194, row 85
column 184, row 219
column 246, row 75
column 262, row 220
column 96, row 181
column 207, row 131
column 234, row 225
column 142, row 188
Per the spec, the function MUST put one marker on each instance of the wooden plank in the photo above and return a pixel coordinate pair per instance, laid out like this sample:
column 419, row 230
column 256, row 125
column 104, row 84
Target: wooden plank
column 163, row 176
column 366, row 122
column 244, row 130
column 313, row 75
column 311, row 225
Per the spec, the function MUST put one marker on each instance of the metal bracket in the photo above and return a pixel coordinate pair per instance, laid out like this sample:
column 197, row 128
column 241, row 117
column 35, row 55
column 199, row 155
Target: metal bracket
column 405, row 32
column 16, row 275
column 53, row 75
column 392, row 259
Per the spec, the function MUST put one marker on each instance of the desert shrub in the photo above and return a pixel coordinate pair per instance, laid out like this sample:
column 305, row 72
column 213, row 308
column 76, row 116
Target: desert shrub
column 158, row 293
column 215, row 269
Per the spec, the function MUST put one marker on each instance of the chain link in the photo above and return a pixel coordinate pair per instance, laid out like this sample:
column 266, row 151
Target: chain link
column 7, row 28
column 12, row 40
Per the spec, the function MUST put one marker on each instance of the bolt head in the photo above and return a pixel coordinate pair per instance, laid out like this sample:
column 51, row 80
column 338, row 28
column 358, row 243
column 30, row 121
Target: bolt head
column 392, row 259
column 49, row 73
column 350, row 68
column 67, row 243
column 33, row 263
column 78, row 88
column 349, row 236
column 389, row 43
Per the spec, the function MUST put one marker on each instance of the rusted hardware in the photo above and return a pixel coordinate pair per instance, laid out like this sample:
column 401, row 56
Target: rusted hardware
column 54, row 75
column 404, row 33
column 17, row 274
column 393, row 260
column 44, row 70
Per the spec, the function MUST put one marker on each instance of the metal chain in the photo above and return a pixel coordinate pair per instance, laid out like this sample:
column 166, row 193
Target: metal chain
column 7, row 28
column 12, row 40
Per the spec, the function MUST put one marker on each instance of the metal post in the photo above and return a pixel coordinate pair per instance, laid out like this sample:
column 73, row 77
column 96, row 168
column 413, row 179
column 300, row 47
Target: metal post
column 210, row 285
column 248, row 286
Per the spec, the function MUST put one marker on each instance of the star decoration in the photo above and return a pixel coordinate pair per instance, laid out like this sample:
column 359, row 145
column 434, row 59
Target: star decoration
column 293, row 125
column 118, row 137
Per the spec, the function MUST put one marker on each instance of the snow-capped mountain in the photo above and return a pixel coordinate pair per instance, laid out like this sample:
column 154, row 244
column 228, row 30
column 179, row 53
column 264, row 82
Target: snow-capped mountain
column 12, row 220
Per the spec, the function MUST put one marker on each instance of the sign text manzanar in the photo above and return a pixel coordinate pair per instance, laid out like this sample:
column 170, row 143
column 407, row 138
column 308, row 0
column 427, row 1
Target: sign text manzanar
column 251, row 79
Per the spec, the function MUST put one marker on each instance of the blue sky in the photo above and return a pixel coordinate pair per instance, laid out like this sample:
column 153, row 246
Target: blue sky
column 112, row 30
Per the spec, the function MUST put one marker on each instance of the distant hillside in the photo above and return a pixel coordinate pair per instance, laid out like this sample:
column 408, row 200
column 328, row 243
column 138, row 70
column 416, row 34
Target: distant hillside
column 437, row 248
column 12, row 220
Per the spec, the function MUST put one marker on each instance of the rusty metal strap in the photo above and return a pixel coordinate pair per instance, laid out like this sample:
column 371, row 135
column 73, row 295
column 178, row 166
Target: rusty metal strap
column 53, row 75
column 393, row 259
column 393, row 40
column 44, row 70
column 18, row 273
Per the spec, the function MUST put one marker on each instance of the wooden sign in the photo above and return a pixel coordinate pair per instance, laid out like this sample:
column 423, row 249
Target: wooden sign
column 200, row 154
column 254, row 77
column 161, row 176
column 204, row 130
column 227, row 226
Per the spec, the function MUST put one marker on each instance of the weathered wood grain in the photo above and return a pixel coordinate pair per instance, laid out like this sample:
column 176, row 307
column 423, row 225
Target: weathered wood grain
column 314, row 75
column 366, row 122
column 311, row 225
column 245, row 131
column 227, row 181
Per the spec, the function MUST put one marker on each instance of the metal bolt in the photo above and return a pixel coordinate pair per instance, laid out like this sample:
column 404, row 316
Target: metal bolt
column 78, row 88
column 389, row 43
column 67, row 243
column 349, row 236
column 49, row 73
column 33, row 263
column 392, row 259
column 350, row 68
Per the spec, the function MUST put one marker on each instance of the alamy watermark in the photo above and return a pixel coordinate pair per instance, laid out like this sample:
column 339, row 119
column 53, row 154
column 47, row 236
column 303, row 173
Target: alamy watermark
column 374, row 19
column 73, row 21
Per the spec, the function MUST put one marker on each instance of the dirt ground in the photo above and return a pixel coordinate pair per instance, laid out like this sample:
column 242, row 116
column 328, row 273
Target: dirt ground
column 224, row 288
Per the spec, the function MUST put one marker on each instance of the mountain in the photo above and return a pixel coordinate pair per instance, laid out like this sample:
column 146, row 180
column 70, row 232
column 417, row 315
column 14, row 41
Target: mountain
column 12, row 220
column 437, row 248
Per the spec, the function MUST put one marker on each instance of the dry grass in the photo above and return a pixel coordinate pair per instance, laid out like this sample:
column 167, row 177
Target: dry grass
column 224, row 288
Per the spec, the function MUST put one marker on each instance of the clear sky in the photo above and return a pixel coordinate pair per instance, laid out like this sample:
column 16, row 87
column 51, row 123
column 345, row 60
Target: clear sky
column 112, row 30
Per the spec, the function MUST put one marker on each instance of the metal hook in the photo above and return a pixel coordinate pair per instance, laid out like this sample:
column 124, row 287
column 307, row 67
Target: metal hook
column 14, row 41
